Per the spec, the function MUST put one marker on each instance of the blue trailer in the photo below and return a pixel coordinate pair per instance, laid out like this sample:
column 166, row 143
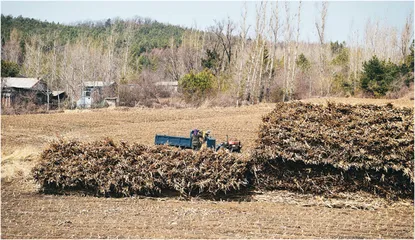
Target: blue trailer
column 181, row 142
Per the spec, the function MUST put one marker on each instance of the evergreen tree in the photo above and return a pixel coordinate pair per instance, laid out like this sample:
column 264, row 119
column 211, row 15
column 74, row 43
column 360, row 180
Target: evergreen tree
column 9, row 69
column 212, row 60
column 378, row 75
column 409, row 61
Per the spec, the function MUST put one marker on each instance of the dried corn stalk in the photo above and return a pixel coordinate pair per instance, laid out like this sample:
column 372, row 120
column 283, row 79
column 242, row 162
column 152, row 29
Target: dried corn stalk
column 301, row 147
column 105, row 168
column 335, row 148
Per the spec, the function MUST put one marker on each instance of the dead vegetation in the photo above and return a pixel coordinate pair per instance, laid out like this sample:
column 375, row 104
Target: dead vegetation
column 337, row 148
column 407, row 101
column 107, row 169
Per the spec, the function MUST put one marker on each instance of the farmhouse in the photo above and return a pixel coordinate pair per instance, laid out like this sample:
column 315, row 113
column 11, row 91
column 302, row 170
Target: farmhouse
column 96, row 92
column 15, row 90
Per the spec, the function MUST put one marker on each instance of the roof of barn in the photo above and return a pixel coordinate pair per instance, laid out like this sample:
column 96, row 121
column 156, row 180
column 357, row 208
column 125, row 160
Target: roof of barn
column 25, row 83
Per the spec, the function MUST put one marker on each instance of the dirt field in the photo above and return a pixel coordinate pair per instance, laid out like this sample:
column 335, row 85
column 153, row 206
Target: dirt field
column 27, row 214
column 137, row 125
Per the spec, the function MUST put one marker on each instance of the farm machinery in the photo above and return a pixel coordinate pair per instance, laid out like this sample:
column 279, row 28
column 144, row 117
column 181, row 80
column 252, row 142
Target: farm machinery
column 231, row 145
column 186, row 142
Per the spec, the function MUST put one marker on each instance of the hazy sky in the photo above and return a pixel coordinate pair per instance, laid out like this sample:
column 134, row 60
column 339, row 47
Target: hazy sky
column 341, row 14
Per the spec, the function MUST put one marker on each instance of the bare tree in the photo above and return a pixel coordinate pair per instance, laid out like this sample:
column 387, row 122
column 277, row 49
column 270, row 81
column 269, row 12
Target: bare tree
column 173, row 68
column 202, row 47
column 392, row 49
column 294, row 64
column 252, row 89
column 371, row 37
column 240, row 52
column 53, row 62
column 111, row 40
column 67, row 74
column 224, row 33
column 388, row 43
column 128, row 36
column 287, row 53
column 406, row 35
column 34, row 56
column 274, row 28
column 187, row 52
column 11, row 49
column 355, row 56
column 321, row 26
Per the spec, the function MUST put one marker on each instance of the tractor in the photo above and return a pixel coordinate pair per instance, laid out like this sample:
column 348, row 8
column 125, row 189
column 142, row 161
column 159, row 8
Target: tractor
column 186, row 142
column 231, row 145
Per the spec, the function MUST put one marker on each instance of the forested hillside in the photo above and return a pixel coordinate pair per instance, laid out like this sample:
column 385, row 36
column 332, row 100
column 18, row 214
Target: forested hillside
column 151, row 34
column 226, row 63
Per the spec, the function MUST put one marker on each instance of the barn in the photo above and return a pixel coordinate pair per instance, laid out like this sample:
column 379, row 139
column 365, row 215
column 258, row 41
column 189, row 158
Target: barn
column 16, row 90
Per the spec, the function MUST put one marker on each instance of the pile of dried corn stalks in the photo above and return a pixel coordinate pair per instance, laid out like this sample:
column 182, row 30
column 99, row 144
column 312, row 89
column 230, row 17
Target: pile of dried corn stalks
column 337, row 148
column 104, row 168
column 301, row 147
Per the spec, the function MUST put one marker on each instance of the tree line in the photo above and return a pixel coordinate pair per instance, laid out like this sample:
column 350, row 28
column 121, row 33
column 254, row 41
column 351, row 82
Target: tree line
column 271, row 64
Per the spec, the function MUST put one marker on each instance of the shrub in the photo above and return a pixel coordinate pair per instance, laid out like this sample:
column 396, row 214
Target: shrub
column 196, row 87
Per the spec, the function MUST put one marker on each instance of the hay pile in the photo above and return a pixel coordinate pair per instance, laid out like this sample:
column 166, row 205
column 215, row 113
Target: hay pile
column 104, row 168
column 337, row 148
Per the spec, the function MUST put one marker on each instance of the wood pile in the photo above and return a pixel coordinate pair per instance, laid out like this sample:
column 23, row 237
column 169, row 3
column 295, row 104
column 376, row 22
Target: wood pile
column 336, row 148
column 104, row 168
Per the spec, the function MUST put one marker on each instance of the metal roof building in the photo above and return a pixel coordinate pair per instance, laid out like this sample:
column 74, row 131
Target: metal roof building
column 27, row 88
column 24, row 83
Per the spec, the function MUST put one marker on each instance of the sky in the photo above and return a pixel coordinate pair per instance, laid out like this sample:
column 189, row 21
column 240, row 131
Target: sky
column 342, row 15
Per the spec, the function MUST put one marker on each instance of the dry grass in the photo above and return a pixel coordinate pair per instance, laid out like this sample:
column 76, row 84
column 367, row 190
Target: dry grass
column 19, row 163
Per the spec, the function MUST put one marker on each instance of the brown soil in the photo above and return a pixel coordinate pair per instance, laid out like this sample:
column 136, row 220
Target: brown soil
column 28, row 214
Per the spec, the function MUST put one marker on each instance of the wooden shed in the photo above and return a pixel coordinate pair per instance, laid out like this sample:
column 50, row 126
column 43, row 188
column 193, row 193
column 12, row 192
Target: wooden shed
column 15, row 90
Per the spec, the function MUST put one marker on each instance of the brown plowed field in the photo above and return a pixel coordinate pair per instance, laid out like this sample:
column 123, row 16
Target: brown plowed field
column 25, row 213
